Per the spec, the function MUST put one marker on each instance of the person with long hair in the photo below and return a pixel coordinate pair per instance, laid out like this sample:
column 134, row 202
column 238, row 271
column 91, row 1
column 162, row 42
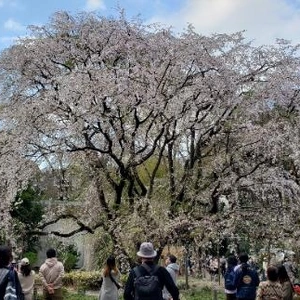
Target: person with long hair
column 285, row 282
column 110, row 276
column 27, row 278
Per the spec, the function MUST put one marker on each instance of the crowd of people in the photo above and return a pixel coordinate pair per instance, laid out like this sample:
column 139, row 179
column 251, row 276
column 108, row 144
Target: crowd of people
column 148, row 280
column 145, row 279
column 17, row 281
column 242, row 281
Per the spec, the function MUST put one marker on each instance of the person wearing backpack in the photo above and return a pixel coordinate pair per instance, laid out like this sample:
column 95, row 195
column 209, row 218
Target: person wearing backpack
column 230, row 289
column 246, row 280
column 146, row 281
column 10, row 287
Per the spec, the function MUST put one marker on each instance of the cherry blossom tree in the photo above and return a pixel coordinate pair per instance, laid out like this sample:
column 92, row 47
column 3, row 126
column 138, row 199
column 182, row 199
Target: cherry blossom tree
column 160, row 125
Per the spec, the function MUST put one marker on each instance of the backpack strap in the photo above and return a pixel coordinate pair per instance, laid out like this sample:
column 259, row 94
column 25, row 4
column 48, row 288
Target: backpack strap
column 4, row 274
column 149, row 270
column 114, row 281
column 137, row 272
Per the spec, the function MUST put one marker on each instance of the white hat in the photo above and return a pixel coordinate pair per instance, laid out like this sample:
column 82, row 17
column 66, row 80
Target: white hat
column 24, row 261
column 146, row 250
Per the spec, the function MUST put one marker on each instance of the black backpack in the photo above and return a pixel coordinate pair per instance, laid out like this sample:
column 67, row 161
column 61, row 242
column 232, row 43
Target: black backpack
column 229, row 279
column 147, row 287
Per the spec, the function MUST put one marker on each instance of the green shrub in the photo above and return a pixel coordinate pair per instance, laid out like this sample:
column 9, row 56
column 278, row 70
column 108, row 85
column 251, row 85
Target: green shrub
column 86, row 280
column 123, row 279
column 32, row 256
column 82, row 280
column 69, row 256
column 70, row 261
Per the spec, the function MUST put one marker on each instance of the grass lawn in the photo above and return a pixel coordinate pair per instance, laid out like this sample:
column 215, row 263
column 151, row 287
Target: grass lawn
column 204, row 293
column 199, row 290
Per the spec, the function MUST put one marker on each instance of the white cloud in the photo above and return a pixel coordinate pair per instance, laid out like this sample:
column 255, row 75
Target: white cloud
column 95, row 4
column 12, row 25
column 11, row 3
column 263, row 20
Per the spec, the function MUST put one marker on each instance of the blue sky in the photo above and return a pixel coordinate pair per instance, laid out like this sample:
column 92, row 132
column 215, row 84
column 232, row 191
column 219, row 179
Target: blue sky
column 263, row 20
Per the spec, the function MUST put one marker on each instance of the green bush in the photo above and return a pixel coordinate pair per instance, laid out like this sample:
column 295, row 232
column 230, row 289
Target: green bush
column 123, row 279
column 32, row 256
column 82, row 280
column 68, row 255
column 70, row 261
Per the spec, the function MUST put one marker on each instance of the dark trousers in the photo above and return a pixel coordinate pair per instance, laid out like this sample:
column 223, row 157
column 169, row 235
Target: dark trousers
column 230, row 296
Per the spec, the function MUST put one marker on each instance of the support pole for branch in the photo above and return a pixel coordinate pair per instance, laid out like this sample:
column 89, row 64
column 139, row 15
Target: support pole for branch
column 186, row 268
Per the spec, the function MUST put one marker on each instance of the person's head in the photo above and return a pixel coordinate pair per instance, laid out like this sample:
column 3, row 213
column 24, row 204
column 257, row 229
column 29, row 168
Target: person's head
column 5, row 256
column 282, row 274
column 232, row 261
column 25, row 267
column 272, row 273
column 51, row 253
column 171, row 259
column 110, row 266
column 111, row 262
column 243, row 258
column 146, row 251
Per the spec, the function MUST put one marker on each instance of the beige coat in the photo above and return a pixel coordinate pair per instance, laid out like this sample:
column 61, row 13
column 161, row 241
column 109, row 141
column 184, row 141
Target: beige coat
column 52, row 272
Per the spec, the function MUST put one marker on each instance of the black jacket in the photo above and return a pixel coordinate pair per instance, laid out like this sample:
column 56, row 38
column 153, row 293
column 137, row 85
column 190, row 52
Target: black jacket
column 164, row 278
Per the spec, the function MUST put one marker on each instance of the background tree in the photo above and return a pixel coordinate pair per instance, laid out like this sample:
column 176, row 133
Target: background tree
column 27, row 211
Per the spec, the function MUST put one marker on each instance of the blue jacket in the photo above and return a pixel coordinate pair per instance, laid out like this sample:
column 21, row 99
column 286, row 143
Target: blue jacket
column 246, row 281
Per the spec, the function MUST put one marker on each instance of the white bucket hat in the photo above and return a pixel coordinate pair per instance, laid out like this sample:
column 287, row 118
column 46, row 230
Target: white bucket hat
column 24, row 261
column 146, row 250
